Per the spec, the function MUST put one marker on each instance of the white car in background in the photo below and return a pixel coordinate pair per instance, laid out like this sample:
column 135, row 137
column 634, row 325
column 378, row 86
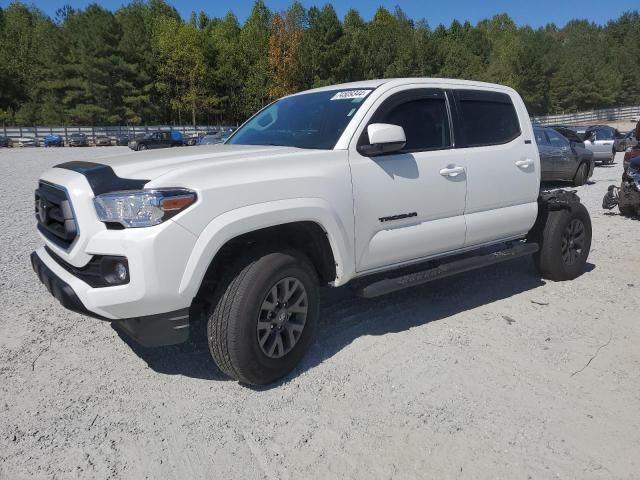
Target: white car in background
column 26, row 142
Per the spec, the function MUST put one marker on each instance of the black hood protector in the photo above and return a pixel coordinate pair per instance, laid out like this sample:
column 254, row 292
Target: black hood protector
column 102, row 178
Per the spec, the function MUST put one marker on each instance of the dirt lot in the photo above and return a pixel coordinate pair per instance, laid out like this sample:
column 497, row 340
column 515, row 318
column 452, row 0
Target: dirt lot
column 493, row 374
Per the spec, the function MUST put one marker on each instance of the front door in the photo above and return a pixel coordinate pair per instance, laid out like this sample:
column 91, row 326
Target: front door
column 409, row 204
column 546, row 155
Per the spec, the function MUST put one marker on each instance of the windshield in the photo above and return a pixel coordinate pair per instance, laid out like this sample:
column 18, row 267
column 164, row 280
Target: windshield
column 311, row 120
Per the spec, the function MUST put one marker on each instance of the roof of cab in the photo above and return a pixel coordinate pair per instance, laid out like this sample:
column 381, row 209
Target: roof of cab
column 365, row 84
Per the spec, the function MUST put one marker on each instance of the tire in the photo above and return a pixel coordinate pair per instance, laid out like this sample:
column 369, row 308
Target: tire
column 141, row 148
column 565, row 243
column 240, row 327
column 582, row 175
column 627, row 211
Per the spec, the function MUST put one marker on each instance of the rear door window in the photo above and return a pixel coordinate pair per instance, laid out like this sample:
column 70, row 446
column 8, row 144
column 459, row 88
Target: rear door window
column 485, row 118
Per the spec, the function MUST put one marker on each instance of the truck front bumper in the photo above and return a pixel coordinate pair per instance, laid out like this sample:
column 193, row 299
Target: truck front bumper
column 149, row 331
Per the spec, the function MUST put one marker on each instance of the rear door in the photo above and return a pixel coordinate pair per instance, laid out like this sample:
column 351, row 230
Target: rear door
column 600, row 143
column 154, row 140
column 165, row 139
column 493, row 132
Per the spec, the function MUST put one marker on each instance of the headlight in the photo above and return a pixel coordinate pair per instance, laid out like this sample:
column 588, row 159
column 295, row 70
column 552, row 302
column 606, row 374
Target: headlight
column 142, row 208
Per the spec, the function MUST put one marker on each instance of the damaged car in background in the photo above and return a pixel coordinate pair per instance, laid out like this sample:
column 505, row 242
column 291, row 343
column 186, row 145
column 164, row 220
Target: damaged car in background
column 627, row 196
column 562, row 159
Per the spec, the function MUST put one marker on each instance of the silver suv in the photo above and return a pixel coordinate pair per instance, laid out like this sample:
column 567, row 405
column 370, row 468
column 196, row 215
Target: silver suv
column 600, row 140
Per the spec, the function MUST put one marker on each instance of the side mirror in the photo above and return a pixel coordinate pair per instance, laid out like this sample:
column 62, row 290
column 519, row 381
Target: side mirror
column 383, row 138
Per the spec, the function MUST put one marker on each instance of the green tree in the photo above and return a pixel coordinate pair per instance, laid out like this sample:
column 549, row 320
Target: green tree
column 141, row 99
column 183, row 68
column 27, row 38
column 225, row 76
column 351, row 66
column 253, row 45
column 143, row 63
column 321, row 48
column 532, row 72
column 89, row 80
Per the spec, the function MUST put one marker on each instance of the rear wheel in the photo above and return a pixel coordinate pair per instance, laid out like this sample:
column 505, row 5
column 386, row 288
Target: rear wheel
column 581, row 175
column 627, row 211
column 565, row 243
column 264, row 316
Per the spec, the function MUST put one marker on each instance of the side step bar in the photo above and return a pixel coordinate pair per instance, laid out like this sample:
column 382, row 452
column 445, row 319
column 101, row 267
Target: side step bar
column 453, row 267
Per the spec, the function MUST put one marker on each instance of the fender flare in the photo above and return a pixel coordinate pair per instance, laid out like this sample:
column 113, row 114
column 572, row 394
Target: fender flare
column 234, row 223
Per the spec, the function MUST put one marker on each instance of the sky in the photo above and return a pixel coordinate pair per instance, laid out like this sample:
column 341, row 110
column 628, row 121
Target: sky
column 524, row 12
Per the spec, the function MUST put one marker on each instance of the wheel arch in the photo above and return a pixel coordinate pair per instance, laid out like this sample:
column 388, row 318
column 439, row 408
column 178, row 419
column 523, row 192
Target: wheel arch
column 307, row 225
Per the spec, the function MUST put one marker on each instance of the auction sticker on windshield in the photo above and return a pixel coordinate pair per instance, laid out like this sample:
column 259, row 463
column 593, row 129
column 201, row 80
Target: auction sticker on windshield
column 351, row 95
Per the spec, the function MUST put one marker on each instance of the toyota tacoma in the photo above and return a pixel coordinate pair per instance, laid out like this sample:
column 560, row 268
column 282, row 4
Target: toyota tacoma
column 392, row 183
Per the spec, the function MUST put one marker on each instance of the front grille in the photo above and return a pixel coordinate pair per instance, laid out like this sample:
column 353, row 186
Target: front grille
column 54, row 215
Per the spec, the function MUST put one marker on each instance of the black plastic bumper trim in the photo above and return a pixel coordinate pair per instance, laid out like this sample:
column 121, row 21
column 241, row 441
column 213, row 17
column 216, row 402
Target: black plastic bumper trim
column 149, row 331
column 97, row 273
column 156, row 330
column 59, row 288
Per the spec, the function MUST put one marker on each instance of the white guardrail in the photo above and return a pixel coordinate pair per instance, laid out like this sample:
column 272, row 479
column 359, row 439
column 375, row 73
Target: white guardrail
column 607, row 114
column 109, row 131
column 594, row 116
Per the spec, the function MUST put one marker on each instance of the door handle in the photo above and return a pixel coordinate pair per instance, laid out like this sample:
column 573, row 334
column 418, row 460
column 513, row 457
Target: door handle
column 451, row 171
column 526, row 163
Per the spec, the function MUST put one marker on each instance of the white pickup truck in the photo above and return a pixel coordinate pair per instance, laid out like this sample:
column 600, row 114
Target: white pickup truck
column 391, row 182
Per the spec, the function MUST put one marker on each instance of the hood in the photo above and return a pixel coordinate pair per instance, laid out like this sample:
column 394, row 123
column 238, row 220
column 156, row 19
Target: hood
column 151, row 164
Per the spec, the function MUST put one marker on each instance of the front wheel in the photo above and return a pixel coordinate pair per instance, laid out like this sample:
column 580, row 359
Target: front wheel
column 141, row 148
column 565, row 243
column 264, row 317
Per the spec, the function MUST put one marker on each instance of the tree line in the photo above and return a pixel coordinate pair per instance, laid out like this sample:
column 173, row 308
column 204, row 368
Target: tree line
column 144, row 64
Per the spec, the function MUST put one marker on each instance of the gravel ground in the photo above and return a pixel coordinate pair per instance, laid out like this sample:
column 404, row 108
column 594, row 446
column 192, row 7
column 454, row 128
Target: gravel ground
column 492, row 374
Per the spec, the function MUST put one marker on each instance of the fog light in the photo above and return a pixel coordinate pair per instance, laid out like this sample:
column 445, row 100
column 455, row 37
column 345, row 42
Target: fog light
column 120, row 271
column 114, row 270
